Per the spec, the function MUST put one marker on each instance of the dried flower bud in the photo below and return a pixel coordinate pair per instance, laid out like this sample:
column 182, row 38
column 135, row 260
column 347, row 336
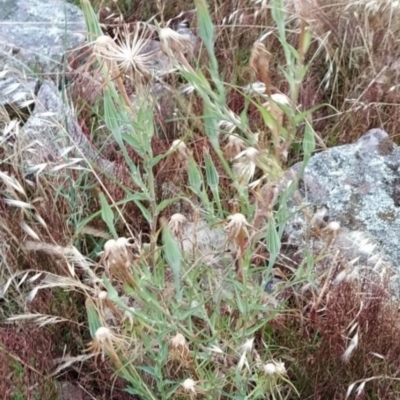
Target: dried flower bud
column 104, row 335
column 244, row 165
column 270, row 369
column 102, row 295
column 176, row 223
column 189, row 385
column 180, row 147
column 333, row 226
column 259, row 61
column 236, row 223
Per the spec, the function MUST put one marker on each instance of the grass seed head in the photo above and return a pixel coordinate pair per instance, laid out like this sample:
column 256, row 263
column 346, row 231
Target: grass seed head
column 234, row 146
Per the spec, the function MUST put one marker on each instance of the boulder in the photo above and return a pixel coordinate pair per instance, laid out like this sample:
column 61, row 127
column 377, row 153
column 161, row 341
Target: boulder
column 358, row 186
column 34, row 34
column 52, row 128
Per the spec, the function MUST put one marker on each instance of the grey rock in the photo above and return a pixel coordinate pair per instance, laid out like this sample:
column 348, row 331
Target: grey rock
column 70, row 391
column 358, row 185
column 52, row 128
column 17, row 92
column 17, row 97
column 34, row 34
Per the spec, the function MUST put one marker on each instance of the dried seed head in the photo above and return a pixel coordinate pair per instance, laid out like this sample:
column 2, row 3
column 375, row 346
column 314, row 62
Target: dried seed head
column 104, row 335
column 333, row 226
column 104, row 342
column 103, row 45
column 351, row 348
column 273, row 106
column 118, row 258
column 259, row 61
column 270, row 368
column 173, row 42
column 180, row 147
column 116, row 252
column 280, row 367
column 189, row 385
column 255, row 88
column 178, row 340
column 275, row 367
column 179, row 350
column 102, row 295
column 244, row 165
column 131, row 53
column 237, row 223
column 176, row 223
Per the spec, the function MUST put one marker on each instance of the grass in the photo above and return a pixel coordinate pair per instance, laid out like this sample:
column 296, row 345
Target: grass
column 157, row 272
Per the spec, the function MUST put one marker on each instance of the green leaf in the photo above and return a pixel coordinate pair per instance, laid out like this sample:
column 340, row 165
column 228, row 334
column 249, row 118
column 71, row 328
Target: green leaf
column 206, row 27
column 211, row 126
column 93, row 318
column 173, row 257
column 165, row 203
column 211, row 172
column 92, row 25
column 155, row 160
column 107, row 214
column 273, row 242
column 207, row 34
column 239, row 300
column 302, row 116
column 195, row 177
column 145, row 211
column 308, row 141
column 131, row 139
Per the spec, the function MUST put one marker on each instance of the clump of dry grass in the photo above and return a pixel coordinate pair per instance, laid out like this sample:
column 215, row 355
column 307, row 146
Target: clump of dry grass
column 187, row 322
column 343, row 339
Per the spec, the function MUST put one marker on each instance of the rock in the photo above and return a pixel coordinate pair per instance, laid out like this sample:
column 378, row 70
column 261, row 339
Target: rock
column 70, row 391
column 17, row 98
column 52, row 128
column 34, row 34
column 357, row 185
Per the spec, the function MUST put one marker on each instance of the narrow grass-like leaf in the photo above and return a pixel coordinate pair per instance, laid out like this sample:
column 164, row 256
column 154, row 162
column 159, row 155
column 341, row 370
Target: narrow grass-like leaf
column 92, row 24
column 207, row 34
column 93, row 317
column 107, row 215
column 308, row 142
column 273, row 242
column 173, row 257
column 212, row 177
column 195, row 178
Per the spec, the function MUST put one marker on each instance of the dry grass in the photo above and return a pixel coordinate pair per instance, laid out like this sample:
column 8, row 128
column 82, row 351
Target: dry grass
column 211, row 343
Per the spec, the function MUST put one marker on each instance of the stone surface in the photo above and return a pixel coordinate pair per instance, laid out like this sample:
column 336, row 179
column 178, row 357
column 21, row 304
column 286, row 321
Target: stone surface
column 18, row 92
column 52, row 128
column 36, row 33
column 70, row 391
column 17, row 97
column 357, row 185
